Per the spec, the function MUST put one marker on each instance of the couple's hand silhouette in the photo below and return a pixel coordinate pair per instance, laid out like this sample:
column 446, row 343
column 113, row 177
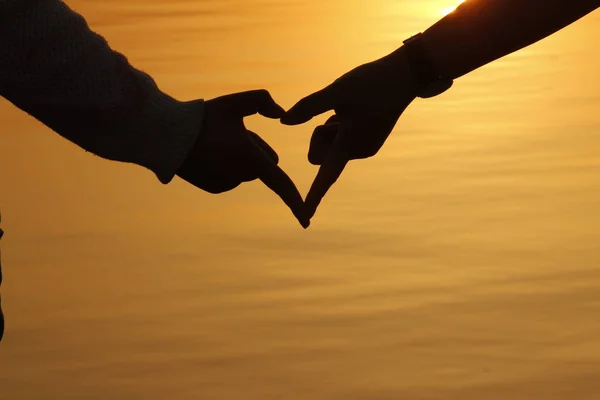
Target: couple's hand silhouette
column 367, row 102
column 227, row 154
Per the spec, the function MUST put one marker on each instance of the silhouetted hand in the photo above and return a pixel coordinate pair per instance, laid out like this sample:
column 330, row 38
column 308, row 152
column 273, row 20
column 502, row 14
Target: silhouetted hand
column 367, row 102
column 227, row 154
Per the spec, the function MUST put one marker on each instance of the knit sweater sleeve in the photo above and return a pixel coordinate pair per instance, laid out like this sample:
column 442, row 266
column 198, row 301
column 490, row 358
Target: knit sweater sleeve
column 55, row 68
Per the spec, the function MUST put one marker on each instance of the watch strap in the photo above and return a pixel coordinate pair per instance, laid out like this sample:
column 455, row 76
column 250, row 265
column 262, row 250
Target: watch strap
column 429, row 81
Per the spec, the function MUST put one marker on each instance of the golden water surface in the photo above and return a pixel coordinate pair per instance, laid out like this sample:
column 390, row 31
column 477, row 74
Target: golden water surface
column 463, row 262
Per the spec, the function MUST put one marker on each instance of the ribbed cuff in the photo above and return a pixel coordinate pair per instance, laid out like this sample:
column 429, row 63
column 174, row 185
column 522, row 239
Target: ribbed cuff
column 169, row 129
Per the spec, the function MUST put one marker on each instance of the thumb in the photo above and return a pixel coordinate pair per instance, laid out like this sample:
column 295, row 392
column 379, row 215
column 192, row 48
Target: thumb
column 255, row 101
column 310, row 106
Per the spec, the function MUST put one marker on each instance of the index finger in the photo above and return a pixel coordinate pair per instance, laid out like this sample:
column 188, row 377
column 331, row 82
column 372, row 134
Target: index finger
column 256, row 101
column 328, row 174
column 310, row 106
column 279, row 182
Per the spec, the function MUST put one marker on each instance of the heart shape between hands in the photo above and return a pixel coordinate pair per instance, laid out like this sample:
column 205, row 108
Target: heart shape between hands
column 367, row 102
column 227, row 154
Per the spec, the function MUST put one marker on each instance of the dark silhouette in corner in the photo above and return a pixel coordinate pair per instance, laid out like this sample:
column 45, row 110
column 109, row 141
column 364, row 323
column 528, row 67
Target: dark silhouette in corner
column 1, row 313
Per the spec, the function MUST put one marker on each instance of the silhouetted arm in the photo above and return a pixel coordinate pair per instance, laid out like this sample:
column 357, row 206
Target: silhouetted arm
column 56, row 69
column 481, row 31
column 59, row 71
column 369, row 99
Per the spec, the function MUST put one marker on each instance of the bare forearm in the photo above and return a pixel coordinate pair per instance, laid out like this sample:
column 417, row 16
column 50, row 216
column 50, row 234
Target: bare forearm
column 481, row 31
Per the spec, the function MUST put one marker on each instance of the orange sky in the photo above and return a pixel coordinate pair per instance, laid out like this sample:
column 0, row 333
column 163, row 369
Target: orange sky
column 454, row 259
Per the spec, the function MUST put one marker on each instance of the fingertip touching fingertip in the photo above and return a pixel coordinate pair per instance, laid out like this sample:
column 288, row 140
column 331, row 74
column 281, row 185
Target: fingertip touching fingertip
column 304, row 220
column 274, row 113
column 280, row 111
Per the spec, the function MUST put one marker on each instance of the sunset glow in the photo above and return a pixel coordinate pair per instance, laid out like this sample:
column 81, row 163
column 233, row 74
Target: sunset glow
column 451, row 9
column 461, row 262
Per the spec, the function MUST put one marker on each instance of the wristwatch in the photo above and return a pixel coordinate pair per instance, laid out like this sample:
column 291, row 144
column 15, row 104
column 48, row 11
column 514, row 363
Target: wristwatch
column 429, row 81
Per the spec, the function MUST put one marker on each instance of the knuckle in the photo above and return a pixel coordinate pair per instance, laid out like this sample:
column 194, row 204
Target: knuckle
column 262, row 93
